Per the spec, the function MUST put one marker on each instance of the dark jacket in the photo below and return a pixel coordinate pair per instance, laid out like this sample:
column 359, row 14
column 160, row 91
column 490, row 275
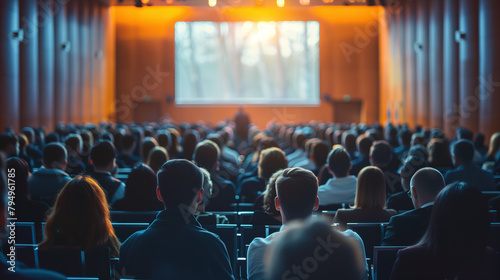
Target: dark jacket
column 112, row 187
column 46, row 183
column 408, row 228
column 400, row 201
column 174, row 245
column 472, row 175
column 22, row 272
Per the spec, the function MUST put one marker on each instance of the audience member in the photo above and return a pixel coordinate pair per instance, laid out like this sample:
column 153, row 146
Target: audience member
column 404, row 140
column 148, row 144
column 175, row 244
column 127, row 158
column 342, row 187
column 207, row 155
column 46, row 182
column 466, row 171
column 80, row 218
column 401, row 201
column 9, row 144
column 23, row 143
column 202, row 216
column 297, row 197
column 364, row 144
column 381, row 157
column 349, row 143
column 32, row 150
column 74, row 146
column 494, row 148
column 140, row 191
column 190, row 139
column 157, row 157
column 319, row 156
column 103, row 158
column 313, row 250
column 408, row 228
column 454, row 245
column 439, row 155
column 270, row 161
column 369, row 204
column 270, row 216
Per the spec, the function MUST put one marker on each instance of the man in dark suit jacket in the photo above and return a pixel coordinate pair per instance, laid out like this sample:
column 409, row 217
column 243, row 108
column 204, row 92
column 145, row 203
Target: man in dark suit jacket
column 175, row 246
column 102, row 157
column 407, row 228
column 466, row 171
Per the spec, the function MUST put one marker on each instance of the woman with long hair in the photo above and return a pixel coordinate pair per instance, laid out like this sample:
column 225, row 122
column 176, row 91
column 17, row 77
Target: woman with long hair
column 369, row 203
column 80, row 218
column 455, row 243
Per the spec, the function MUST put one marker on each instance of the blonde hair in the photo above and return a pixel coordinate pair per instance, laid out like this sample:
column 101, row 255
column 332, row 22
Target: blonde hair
column 370, row 191
column 494, row 145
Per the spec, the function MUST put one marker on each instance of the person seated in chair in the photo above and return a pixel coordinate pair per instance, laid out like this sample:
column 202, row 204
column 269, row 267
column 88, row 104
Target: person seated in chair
column 175, row 245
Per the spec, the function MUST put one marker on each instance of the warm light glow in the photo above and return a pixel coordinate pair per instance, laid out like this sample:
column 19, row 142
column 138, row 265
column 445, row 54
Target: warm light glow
column 304, row 2
column 328, row 1
column 259, row 2
column 170, row 1
column 145, row 2
column 212, row 3
column 280, row 3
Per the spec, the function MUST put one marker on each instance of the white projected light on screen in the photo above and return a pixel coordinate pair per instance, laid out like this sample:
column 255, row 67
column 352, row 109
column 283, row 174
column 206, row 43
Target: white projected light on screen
column 247, row 62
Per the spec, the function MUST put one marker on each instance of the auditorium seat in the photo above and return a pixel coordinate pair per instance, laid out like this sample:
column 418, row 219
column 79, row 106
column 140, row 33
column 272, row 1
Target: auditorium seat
column 371, row 233
column 124, row 230
column 24, row 232
column 27, row 254
column 228, row 234
column 383, row 261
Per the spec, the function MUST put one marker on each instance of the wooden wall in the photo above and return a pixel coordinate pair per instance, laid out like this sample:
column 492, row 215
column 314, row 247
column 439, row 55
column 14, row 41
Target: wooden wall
column 433, row 78
column 63, row 68
column 349, row 63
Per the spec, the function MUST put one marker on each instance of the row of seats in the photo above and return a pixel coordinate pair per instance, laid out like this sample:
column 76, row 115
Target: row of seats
column 236, row 238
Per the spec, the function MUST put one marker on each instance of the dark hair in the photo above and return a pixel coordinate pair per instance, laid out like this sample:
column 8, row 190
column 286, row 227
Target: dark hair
column 419, row 151
column 157, row 157
column 141, row 185
column 179, row 181
column 464, row 150
column 464, row 133
column 405, row 137
column 270, row 161
column 52, row 138
column 23, row 141
column 320, row 154
column 270, row 195
column 381, row 153
column 164, row 139
column 22, row 173
column 54, row 155
column 80, row 217
column 30, row 134
column 300, row 140
column 459, row 223
column 349, row 140
column 364, row 143
column 74, row 142
column 7, row 139
column 206, row 154
column 191, row 138
column 410, row 166
column 128, row 141
column 102, row 153
column 339, row 161
column 439, row 153
column 479, row 140
column 147, row 145
column 297, row 190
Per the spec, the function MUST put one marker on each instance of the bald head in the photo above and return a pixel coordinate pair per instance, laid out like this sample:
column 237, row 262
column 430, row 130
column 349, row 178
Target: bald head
column 426, row 184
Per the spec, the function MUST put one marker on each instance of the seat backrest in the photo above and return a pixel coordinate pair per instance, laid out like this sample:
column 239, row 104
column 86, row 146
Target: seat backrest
column 383, row 261
column 371, row 233
column 23, row 231
column 227, row 233
column 133, row 216
column 124, row 230
column 495, row 236
column 25, row 253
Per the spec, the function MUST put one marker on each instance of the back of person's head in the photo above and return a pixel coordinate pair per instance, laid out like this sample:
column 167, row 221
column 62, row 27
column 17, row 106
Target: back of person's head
column 206, row 155
column 54, row 156
column 381, row 153
column 74, row 143
column 494, row 146
column 174, row 147
column 102, row 154
column 339, row 161
column 270, row 161
column 266, row 143
column 349, row 140
column 437, row 133
column 297, row 191
column 419, row 151
column 479, row 140
column 179, row 181
column 411, row 165
column 88, row 139
column 164, row 139
column 157, row 157
column 370, row 191
column 52, row 138
column 364, row 143
column 320, row 154
column 301, row 253
column 207, row 186
column 418, row 139
column 23, row 142
column 463, row 151
column 459, row 223
column 141, row 185
column 427, row 182
column 147, row 145
column 80, row 217
column 270, row 195
column 190, row 139
column 405, row 137
column 22, row 172
column 217, row 139
column 30, row 134
column 299, row 140
column 9, row 144
column 463, row 133
column 128, row 142
column 439, row 153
